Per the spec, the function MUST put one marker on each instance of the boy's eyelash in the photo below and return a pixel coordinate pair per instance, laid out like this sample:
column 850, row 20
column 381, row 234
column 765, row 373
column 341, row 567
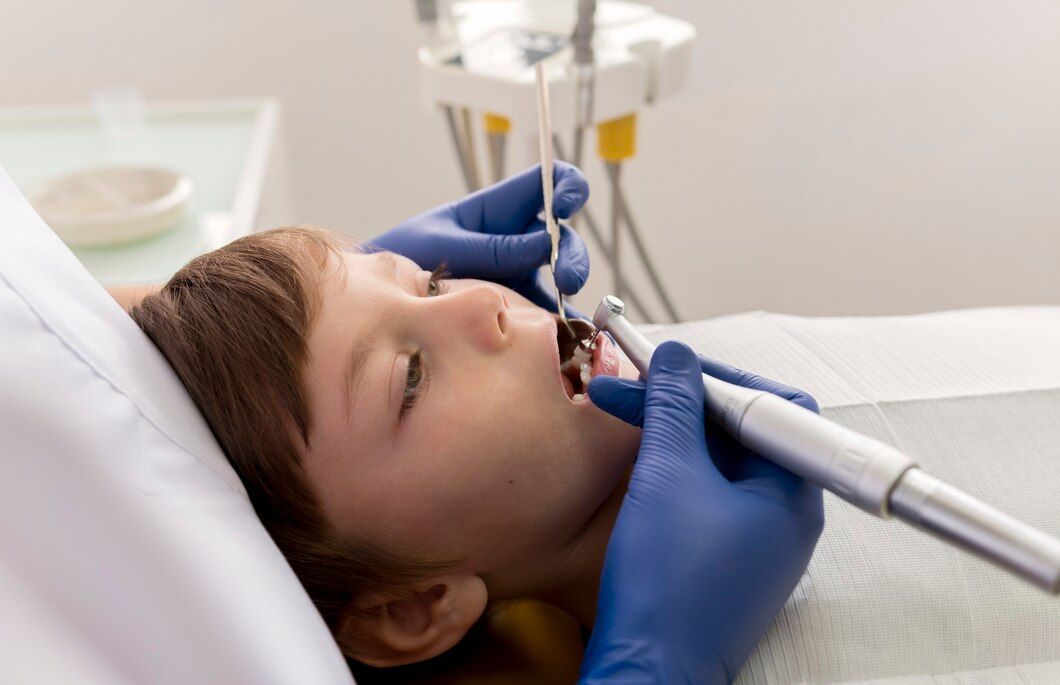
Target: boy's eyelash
column 439, row 274
column 416, row 381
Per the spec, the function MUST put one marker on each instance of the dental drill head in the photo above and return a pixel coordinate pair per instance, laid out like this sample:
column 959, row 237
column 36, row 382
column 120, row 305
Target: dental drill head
column 608, row 307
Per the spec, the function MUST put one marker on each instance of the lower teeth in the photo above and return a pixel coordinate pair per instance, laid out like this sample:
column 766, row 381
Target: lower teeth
column 578, row 397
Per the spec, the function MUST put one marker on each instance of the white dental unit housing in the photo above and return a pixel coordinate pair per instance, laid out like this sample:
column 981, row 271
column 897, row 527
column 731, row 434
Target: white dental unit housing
column 640, row 56
column 604, row 62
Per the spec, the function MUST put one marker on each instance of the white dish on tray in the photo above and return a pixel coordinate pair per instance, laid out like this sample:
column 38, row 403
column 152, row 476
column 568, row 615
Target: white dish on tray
column 110, row 205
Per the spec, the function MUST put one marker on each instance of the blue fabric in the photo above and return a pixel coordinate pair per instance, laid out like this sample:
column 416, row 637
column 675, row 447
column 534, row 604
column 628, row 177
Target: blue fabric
column 710, row 540
column 494, row 234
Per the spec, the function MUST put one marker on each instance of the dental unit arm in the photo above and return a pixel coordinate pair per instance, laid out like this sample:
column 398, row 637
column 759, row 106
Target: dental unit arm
column 869, row 474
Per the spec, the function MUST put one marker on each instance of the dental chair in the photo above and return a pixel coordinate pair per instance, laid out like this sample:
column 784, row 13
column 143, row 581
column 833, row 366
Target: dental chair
column 130, row 553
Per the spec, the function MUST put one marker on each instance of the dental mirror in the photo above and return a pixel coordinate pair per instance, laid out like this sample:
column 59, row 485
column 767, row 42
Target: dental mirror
column 583, row 330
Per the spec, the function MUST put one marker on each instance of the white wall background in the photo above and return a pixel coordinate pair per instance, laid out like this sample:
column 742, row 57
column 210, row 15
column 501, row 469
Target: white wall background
column 875, row 156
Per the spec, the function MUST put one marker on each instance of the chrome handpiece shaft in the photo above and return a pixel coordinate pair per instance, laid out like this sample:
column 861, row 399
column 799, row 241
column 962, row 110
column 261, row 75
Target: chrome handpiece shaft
column 865, row 472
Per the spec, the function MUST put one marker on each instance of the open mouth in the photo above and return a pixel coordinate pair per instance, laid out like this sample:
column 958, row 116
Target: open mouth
column 577, row 366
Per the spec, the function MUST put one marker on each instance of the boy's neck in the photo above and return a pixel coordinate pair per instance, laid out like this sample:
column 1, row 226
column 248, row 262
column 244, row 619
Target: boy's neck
column 578, row 574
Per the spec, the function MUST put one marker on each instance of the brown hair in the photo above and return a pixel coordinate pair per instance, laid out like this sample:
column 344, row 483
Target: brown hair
column 234, row 325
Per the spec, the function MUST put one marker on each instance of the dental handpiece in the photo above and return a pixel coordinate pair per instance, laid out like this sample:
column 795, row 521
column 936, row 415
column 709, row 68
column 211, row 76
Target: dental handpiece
column 869, row 474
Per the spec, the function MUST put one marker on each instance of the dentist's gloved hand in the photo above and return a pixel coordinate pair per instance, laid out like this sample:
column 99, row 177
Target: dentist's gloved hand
column 710, row 541
column 494, row 234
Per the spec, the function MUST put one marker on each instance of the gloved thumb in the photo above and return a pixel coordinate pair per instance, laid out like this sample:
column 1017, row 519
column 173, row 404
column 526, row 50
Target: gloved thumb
column 625, row 399
column 619, row 397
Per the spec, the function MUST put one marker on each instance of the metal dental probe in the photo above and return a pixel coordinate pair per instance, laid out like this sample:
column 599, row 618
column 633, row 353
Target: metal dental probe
column 867, row 473
column 544, row 133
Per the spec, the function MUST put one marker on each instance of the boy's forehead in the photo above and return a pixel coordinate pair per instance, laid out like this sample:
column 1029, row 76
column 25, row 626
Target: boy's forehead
column 350, row 307
column 351, row 277
column 385, row 266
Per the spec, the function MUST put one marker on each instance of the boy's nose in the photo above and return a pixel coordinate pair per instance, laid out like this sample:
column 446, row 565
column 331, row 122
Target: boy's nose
column 478, row 314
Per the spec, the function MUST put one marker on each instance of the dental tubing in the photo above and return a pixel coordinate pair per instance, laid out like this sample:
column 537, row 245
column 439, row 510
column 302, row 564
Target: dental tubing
column 869, row 474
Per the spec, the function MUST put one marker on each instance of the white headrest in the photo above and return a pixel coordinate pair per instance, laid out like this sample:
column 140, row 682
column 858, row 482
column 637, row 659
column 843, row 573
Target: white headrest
column 118, row 510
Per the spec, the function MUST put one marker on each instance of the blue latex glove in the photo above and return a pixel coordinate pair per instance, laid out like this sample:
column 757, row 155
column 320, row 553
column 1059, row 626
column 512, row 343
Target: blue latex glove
column 710, row 541
column 494, row 234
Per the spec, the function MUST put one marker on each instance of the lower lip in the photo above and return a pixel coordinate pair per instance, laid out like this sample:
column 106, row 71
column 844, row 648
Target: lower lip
column 605, row 360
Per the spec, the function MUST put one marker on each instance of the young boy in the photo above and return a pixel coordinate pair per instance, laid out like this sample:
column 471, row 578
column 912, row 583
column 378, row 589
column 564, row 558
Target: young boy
column 408, row 440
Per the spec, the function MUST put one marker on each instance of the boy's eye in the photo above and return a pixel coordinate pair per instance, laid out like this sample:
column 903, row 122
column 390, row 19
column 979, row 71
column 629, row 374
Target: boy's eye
column 415, row 383
column 434, row 281
column 414, row 375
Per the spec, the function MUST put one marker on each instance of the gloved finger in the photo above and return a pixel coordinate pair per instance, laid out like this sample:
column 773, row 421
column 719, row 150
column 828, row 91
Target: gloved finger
column 506, row 207
column 571, row 190
column 511, row 205
column 673, row 405
column 619, row 397
column 572, row 264
column 757, row 474
column 489, row 256
column 731, row 374
column 572, row 261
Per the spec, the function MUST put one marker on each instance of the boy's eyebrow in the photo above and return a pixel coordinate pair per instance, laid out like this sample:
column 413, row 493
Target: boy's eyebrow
column 355, row 370
column 389, row 264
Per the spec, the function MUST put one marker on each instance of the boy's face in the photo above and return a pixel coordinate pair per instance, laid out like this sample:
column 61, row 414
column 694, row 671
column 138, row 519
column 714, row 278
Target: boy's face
column 475, row 453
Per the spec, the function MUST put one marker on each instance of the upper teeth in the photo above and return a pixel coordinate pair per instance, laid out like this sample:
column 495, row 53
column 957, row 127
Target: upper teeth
column 582, row 361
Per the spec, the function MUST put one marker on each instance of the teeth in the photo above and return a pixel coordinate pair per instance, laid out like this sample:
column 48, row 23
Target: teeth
column 580, row 361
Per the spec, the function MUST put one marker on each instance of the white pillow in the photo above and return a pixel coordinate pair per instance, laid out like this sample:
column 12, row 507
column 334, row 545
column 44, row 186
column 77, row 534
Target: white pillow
column 129, row 534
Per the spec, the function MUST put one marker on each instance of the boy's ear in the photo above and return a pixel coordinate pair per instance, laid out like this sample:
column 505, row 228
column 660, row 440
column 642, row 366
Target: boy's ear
column 393, row 630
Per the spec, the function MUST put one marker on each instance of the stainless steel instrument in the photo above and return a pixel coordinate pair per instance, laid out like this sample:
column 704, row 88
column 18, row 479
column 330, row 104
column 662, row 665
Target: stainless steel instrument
column 867, row 473
column 544, row 123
